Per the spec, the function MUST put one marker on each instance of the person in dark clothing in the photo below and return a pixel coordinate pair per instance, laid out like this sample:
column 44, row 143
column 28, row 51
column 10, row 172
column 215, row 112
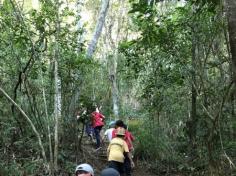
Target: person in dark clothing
column 109, row 172
column 84, row 118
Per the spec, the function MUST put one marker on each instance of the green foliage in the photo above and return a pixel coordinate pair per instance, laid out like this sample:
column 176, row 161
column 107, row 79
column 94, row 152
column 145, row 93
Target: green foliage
column 154, row 146
column 26, row 67
column 27, row 167
column 146, row 140
column 211, row 5
column 160, row 61
column 155, row 81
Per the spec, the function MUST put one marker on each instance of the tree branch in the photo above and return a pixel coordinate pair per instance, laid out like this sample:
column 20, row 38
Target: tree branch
column 30, row 122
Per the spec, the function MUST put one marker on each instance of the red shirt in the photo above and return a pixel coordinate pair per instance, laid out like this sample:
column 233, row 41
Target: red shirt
column 128, row 138
column 97, row 119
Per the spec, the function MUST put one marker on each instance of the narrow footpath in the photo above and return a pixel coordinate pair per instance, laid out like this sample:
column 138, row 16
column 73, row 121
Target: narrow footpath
column 98, row 159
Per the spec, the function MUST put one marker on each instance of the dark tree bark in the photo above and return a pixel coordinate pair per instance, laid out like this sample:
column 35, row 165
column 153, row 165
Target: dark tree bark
column 193, row 120
column 231, row 17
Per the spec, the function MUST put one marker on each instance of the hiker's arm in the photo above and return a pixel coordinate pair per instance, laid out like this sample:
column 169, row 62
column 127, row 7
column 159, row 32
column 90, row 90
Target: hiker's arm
column 131, row 143
column 105, row 135
column 130, row 158
column 108, row 152
column 102, row 116
column 127, row 153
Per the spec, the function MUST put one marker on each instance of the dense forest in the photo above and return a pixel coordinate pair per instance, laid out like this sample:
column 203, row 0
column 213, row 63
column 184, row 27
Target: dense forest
column 167, row 68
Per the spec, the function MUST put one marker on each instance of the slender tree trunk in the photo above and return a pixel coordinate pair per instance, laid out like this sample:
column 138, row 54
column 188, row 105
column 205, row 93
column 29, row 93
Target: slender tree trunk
column 98, row 29
column 191, row 123
column 194, row 94
column 57, row 99
column 57, row 111
column 80, row 39
column 231, row 14
column 114, row 90
column 51, row 170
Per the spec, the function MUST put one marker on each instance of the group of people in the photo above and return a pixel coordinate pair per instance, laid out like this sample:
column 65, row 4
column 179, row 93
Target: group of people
column 120, row 143
column 120, row 148
column 119, row 153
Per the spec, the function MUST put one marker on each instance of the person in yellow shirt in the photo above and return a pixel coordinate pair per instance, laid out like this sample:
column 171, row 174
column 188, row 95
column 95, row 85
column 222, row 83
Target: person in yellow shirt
column 117, row 150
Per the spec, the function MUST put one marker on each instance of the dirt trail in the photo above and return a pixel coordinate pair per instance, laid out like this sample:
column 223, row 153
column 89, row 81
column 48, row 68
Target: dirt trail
column 99, row 159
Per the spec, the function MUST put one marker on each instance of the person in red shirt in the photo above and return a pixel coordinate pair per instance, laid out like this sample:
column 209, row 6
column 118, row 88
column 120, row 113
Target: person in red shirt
column 97, row 123
column 129, row 138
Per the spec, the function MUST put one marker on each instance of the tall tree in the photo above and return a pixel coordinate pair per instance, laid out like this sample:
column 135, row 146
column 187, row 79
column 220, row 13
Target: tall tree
column 113, row 68
column 98, row 28
column 57, row 99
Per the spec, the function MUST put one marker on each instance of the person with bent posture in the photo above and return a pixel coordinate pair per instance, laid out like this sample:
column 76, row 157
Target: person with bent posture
column 117, row 151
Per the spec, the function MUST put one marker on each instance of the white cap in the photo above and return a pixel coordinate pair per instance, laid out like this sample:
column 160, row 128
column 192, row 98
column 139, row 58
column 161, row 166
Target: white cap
column 85, row 167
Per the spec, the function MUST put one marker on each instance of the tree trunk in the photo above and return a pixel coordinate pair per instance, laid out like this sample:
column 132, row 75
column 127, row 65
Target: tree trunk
column 57, row 98
column 51, row 172
column 57, row 112
column 98, row 29
column 191, row 124
column 80, row 39
column 231, row 17
column 114, row 92
column 194, row 95
column 114, row 59
column 231, row 14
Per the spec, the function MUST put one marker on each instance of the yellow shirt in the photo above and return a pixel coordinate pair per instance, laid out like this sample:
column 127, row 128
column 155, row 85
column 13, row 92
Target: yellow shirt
column 116, row 150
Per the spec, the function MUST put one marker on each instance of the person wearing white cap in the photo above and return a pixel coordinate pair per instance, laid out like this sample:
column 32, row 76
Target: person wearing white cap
column 84, row 170
column 109, row 131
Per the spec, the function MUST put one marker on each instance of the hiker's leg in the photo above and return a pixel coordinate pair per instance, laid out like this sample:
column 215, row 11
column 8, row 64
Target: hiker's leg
column 127, row 166
column 117, row 166
column 97, row 136
column 88, row 129
column 121, row 168
column 113, row 164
